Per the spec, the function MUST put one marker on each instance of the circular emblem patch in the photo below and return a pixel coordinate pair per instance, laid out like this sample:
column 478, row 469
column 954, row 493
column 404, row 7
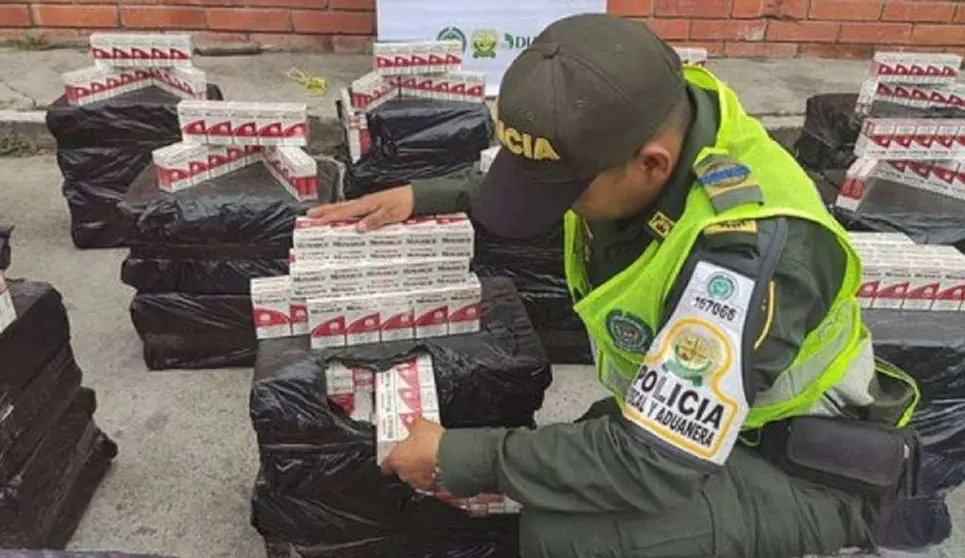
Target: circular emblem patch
column 628, row 332
column 721, row 287
column 694, row 355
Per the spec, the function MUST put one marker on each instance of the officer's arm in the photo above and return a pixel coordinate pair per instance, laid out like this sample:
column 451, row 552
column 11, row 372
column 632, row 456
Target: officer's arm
column 617, row 462
column 447, row 194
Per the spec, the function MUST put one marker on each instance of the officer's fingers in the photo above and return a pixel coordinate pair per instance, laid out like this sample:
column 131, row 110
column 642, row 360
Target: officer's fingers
column 343, row 211
column 375, row 220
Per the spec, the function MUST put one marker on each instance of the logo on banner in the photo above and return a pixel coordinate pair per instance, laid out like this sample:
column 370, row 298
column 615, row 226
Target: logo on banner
column 452, row 34
column 484, row 43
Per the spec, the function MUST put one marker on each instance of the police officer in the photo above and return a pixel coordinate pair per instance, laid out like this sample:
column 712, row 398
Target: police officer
column 717, row 291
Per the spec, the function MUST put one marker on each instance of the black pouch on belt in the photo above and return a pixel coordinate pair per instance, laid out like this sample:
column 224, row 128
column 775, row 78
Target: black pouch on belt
column 874, row 460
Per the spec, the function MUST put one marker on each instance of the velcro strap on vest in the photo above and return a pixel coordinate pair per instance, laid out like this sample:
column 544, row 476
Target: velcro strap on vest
column 728, row 182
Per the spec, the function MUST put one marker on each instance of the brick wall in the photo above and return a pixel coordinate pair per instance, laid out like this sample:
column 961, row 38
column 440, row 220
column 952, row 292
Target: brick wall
column 828, row 28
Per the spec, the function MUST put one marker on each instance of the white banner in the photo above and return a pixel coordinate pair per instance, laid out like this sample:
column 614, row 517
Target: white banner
column 493, row 32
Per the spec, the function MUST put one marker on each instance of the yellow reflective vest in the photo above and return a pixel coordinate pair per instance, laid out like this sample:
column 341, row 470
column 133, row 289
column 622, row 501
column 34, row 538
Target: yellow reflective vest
column 622, row 315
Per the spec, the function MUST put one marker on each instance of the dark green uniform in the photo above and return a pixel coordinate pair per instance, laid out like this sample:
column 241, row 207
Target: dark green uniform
column 595, row 489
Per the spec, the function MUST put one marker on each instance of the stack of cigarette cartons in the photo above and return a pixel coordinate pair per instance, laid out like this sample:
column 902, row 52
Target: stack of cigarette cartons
column 901, row 275
column 408, row 281
column 922, row 153
column 404, row 393
column 921, row 80
column 220, row 137
column 425, row 70
column 126, row 62
column 943, row 177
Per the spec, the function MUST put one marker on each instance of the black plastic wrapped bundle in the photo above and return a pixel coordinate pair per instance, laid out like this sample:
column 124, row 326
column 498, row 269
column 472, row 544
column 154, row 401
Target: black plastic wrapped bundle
column 35, row 337
column 52, row 456
column 183, row 330
column 930, row 347
column 194, row 253
column 319, row 486
column 416, row 139
column 200, row 270
column 831, row 128
column 101, row 148
column 5, row 233
column 891, row 206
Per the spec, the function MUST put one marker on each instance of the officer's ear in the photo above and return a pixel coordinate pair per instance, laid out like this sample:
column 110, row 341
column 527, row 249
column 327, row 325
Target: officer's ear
column 654, row 162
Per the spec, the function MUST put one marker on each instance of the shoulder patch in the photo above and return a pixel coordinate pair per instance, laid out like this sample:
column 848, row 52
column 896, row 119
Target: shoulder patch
column 689, row 389
column 728, row 182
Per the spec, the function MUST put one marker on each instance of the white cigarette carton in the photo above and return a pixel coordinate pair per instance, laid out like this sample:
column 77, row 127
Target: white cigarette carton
column 854, row 189
column 926, row 131
column 362, row 320
column 951, row 297
column 179, row 48
column 487, row 157
column 880, row 238
column 347, row 280
column 310, row 279
column 465, row 306
column 191, row 117
column 403, row 394
column 431, row 311
column 872, row 270
column 901, row 145
column 218, row 163
column 945, row 132
column 177, row 165
column 392, row 59
column 346, row 243
column 386, row 243
column 384, row 276
column 271, row 302
column 8, row 313
column 326, row 322
column 958, row 149
column 877, row 135
column 311, row 240
column 193, row 83
column 101, row 47
column 79, row 85
column 457, row 236
column 299, row 316
column 301, row 171
column 894, row 280
column 398, row 322
column 421, row 238
column 467, row 86
column 244, row 124
column 294, row 124
column 268, row 119
column 217, row 122
column 924, row 284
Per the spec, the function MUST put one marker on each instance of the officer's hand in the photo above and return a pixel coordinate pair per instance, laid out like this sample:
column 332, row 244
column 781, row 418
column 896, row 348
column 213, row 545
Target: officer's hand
column 415, row 459
column 374, row 210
